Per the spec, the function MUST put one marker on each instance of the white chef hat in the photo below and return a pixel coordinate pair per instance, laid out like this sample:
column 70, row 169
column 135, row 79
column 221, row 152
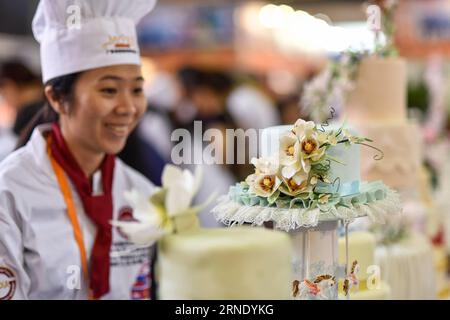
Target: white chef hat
column 78, row 35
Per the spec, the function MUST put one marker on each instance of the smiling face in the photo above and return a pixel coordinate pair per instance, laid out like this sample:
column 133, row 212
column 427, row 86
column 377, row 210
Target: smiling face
column 107, row 105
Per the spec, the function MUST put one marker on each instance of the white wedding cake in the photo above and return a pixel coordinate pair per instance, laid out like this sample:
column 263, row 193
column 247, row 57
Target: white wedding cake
column 408, row 267
column 321, row 240
column 306, row 180
column 376, row 108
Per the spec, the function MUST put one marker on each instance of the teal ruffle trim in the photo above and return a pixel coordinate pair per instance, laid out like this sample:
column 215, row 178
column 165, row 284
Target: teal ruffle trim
column 368, row 192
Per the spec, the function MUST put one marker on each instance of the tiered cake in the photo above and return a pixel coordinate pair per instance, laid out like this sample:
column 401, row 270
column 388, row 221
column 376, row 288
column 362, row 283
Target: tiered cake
column 321, row 240
column 377, row 109
column 407, row 266
column 306, row 181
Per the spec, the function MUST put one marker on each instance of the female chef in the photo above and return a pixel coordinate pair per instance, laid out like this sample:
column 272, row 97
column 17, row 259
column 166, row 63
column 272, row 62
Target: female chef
column 59, row 193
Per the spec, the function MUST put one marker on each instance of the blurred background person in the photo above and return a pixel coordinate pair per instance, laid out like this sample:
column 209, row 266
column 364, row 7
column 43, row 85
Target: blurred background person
column 251, row 107
column 21, row 91
column 203, row 96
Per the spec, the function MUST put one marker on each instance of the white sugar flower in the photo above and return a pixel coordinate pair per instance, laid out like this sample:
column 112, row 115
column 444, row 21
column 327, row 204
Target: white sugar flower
column 289, row 171
column 143, row 209
column 264, row 182
column 148, row 227
column 153, row 214
column 267, row 166
column 310, row 147
column 265, row 185
column 181, row 186
column 303, row 128
column 289, row 149
column 296, row 185
column 140, row 233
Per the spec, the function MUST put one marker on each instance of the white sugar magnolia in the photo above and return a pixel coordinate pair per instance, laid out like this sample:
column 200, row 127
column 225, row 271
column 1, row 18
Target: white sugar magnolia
column 290, row 149
column 303, row 128
column 311, row 146
column 148, row 227
column 181, row 186
column 291, row 158
column 265, row 185
column 289, row 171
column 296, row 185
column 268, row 165
column 153, row 216
column 265, row 181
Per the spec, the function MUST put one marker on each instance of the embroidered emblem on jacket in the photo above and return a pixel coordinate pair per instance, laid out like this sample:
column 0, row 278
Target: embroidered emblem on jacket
column 8, row 283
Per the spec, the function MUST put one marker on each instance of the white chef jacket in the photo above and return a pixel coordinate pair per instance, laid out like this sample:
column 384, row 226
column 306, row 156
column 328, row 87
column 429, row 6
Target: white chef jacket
column 39, row 257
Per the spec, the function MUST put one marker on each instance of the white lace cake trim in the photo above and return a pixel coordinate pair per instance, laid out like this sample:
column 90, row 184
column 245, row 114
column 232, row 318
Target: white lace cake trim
column 232, row 213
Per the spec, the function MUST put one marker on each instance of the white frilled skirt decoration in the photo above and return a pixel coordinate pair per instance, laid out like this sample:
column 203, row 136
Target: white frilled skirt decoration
column 231, row 213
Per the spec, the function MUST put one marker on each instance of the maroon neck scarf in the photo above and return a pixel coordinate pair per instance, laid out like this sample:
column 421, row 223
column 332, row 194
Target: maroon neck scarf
column 99, row 208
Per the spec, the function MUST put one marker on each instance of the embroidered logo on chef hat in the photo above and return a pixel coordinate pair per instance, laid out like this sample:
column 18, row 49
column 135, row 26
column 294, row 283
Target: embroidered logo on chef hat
column 8, row 283
column 80, row 35
column 120, row 44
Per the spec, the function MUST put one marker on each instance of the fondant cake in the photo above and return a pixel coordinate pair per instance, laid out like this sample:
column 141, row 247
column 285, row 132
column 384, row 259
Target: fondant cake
column 408, row 267
column 347, row 171
column 379, row 93
column 307, row 180
column 376, row 108
column 336, row 193
column 236, row 263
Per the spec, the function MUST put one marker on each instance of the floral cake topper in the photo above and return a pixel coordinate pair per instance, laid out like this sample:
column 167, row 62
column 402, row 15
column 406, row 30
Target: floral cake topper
column 300, row 170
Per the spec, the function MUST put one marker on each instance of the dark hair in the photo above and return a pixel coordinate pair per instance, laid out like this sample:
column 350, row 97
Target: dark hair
column 63, row 90
column 192, row 77
column 189, row 78
column 217, row 81
column 17, row 72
